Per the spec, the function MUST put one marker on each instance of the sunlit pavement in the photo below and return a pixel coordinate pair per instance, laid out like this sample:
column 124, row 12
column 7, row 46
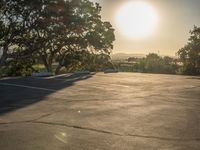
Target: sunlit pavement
column 124, row 111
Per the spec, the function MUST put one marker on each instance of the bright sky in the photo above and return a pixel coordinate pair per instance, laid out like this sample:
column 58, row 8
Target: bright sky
column 170, row 32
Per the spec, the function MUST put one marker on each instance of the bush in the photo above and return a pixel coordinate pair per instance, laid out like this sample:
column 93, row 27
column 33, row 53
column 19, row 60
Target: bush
column 18, row 68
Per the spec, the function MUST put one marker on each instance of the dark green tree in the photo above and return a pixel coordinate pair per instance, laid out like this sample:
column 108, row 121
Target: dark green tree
column 50, row 30
column 87, row 32
column 153, row 63
column 190, row 54
column 169, row 65
column 69, row 26
column 16, row 22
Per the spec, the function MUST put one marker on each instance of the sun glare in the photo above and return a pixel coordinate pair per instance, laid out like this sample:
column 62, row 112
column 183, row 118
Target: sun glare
column 136, row 19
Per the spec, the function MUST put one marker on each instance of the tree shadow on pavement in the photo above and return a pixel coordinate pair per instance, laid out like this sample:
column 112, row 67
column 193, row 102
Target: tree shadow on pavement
column 16, row 93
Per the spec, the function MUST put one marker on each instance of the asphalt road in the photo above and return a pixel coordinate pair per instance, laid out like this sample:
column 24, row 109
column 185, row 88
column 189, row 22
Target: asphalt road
column 119, row 111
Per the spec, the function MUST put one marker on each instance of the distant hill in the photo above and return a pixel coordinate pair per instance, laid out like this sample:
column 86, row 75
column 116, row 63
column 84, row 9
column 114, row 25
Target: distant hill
column 123, row 56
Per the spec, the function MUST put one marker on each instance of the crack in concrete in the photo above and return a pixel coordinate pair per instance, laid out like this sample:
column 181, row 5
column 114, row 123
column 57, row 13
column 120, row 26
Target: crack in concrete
column 99, row 131
column 114, row 133
column 99, row 100
column 76, row 127
column 26, row 121
column 41, row 117
column 14, row 122
column 164, row 138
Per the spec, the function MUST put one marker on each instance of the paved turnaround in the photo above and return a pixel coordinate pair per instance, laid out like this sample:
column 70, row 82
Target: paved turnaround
column 117, row 111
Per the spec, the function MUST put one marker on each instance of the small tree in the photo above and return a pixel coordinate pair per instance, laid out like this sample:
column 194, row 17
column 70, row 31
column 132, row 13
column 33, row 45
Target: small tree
column 156, row 64
column 189, row 55
column 153, row 63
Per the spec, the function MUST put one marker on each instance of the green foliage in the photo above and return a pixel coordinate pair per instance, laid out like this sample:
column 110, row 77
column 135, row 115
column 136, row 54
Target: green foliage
column 190, row 54
column 156, row 64
column 68, row 26
column 39, row 68
column 152, row 63
column 85, row 60
column 52, row 31
column 15, row 25
column 18, row 68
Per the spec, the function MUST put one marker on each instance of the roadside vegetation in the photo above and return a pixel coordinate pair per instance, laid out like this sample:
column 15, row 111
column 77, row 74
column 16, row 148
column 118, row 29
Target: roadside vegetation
column 152, row 63
column 187, row 61
column 157, row 64
column 62, row 36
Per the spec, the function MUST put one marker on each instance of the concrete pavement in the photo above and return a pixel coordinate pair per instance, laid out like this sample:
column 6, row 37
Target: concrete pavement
column 100, row 111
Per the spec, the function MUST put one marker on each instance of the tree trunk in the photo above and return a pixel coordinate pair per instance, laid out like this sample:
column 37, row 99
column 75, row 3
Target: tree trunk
column 58, row 69
column 2, row 60
column 3, row 56
column 46, row 64
column 48, row 67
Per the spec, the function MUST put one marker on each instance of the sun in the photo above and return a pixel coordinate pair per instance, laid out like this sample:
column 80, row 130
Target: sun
column 136, row 19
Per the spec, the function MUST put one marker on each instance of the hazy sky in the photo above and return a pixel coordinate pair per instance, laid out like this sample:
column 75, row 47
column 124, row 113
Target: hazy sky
column 175, row 19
